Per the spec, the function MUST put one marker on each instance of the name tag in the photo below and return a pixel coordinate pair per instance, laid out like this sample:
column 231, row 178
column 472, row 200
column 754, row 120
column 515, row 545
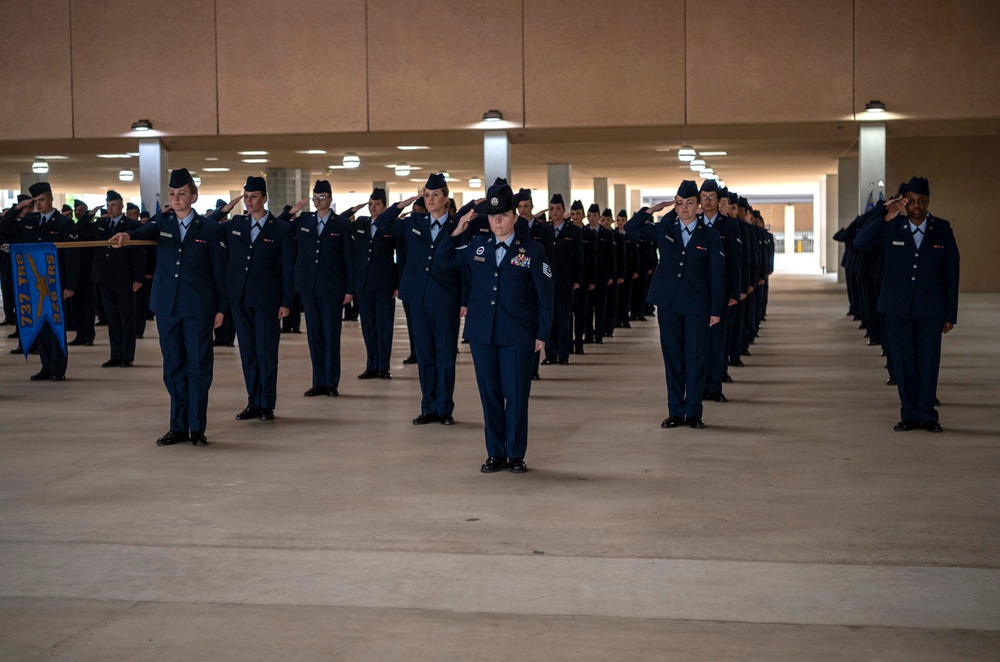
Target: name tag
column 670, row 239
column 29, row 227
column 360, row 231
column 415, row 231
column 300, row 230
column 166, row 234
column 237, row 233
column 898, row 243
column 479, row 259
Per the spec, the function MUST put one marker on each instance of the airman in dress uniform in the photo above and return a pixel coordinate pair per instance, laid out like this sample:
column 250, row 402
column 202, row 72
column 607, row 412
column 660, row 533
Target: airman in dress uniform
column 567, row 277
column 377, row 283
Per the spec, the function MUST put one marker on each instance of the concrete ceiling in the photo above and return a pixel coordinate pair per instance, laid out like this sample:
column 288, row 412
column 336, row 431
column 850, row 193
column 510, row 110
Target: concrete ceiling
column 758, row 157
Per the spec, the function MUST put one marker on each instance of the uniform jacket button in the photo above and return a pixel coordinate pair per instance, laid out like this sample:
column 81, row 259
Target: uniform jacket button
column 913, row 277
column 493, row 303
column 427, row 268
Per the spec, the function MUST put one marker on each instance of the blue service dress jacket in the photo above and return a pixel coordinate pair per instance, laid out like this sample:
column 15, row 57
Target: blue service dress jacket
column 113, row 268
column 374, row 263
column 324, row 265
column 189, row 280
column 260, row 274
column 510, row 303
column 57, row 228
column 919, row 283
column 689, row 279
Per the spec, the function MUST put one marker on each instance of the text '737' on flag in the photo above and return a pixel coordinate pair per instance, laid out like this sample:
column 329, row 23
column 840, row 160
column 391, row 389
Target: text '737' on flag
column 37, row 292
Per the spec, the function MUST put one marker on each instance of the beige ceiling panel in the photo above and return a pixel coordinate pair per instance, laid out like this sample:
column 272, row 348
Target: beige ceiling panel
column 604, row 63
column 295, row 66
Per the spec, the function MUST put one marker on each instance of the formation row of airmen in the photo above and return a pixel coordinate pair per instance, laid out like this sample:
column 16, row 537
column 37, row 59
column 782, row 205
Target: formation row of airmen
column 585, row 282
column 902, row 268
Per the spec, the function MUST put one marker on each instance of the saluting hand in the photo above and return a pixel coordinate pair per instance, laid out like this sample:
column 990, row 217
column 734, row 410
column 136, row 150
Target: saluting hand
column 463, row 222
column 25, row 203
column 403, row 204
column 232, row 203
column 894, row 207
column 297, row 207
column 660, row 206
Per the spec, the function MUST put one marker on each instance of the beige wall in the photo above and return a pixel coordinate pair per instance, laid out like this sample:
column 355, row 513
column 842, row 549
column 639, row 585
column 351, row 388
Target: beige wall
column 298, row 66
column 35, row 88
column 947, row 163
column 940, row 62
column 779, row 61
column 121, row 72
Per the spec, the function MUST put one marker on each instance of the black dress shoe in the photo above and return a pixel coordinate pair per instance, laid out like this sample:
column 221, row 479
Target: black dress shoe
column 76, row 342
column 198, row 439
column 738, row 363
column 171, row 438
column 726, row 379
column 882, row 353
column 905, row 426
column 746, row 352
column 384, row 374
column 891, row 381
column 113, row 363
column 100, row 323
column 410, row 360
column 314, row 391
column 368, row 374
column 672, row 422
column 247, row 414
column 424, row 419
column 564, row 361
column 517, row 466
column 937, row 403
column 41, row 376
column 626, row 325
column 17, row 350
column 716, row 396
column 267, row 414
column 535, row 377
column 696, row 424
column 548, row 361
column 873, row 342
column 332, row 393
column 126, row 364
column 599, row 341
column 932, row 426
column 59, row 378
column 493, row 464
column 580, row 351
column 15, row 334
column 447, row 419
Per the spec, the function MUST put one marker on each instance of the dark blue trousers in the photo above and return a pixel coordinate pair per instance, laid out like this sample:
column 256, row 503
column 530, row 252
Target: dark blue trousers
column 119, row 311
column 409, row 328
column 718, row 351
column 503, row 374
column 435, row 336
column 916, row 357
column 684, row 342
column 51, row 351
column 561, row 337
column 324, row 322
column 378, row 312
column 736, row 330
column 186, row 345
column 581, row 311
column 259, row 331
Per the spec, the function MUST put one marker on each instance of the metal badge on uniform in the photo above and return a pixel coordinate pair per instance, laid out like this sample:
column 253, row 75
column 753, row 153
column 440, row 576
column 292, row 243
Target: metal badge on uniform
column 480, row 250
column 520, row 250
column 237, row 233
column 166, row 234
column 898, row 243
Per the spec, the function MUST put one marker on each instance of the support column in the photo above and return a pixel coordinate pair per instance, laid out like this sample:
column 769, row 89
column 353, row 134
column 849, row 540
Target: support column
column 789, row 229
column 871, row 162
column 847, row 203
column 635, row 198
column 621, row 199
column 154, row 173
column 601, row 192
column 561, row 181
column 828, row 224
column 285, row 186
column 496, row 156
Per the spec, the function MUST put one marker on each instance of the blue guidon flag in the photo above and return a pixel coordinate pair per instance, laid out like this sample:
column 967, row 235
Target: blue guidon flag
column 37, row 292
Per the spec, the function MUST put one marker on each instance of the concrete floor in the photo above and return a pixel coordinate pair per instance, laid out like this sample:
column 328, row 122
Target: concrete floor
column 797, row 526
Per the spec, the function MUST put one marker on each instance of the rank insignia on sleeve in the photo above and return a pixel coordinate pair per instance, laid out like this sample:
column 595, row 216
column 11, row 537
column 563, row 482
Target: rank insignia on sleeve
column 546, row 270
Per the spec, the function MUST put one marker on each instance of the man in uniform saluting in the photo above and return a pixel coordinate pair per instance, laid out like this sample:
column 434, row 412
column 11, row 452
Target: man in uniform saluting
column 510, row 311
column 377, row 283
column 119, row 275
column 538, row 231
column 688, row 289
column 567, row 276
column 260, row 282
column 188, row 299
column 45, row 224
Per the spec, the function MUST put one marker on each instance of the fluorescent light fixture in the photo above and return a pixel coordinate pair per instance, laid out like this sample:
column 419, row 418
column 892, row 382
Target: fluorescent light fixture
column 196, row 180
column 708, row 174
column 410, row 148
column 706, row 171
column 685, row 154
column 258, row 152
column 254, row 160
column 126, row 175
column 216, row 169
column 114, row 156
column 662, row 149
column 55, row 157
column 419, row 180
column 401, row 169
column 351, row 160
column 40, row 167
column 712, row 153
column 492, row 115
column 142, row 125
column 314, row 152
column 336, row 167
column 721, row 183
column 207, row 158
column 475, row 182
column 874, row 106
column 697, row 164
